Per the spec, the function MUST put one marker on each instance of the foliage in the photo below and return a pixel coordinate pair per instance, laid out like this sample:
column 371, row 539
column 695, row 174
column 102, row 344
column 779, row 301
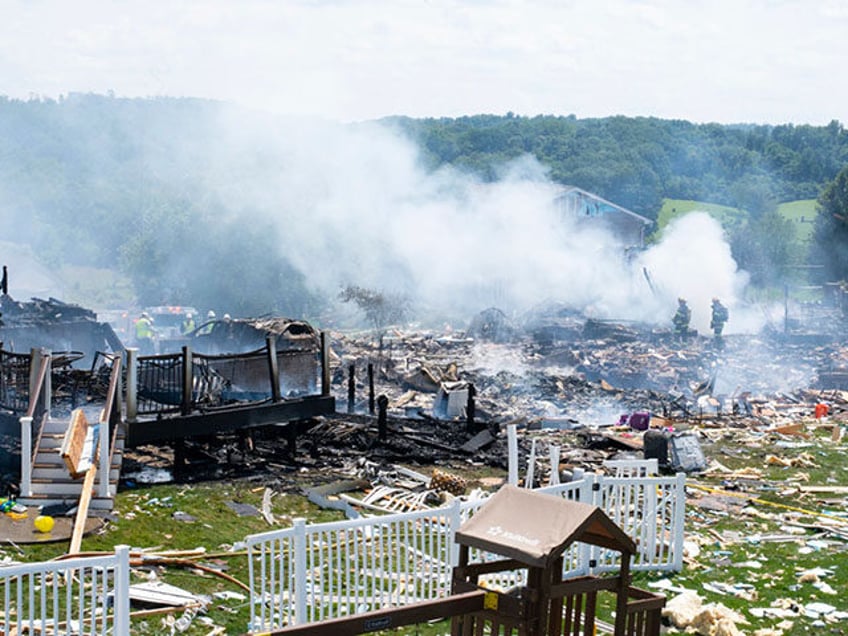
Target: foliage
column 381, row 309
column 831, row 229
column 766, row 247
column 152, row 185
column 637, row 162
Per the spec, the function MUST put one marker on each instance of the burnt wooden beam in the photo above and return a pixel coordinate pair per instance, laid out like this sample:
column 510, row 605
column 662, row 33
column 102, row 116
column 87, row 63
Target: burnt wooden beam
column 227, row 420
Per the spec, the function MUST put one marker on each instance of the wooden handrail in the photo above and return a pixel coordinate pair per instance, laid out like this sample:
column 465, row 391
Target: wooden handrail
column 110, row 407
column 34, row 397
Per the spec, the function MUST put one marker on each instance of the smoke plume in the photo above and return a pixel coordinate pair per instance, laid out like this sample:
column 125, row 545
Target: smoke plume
column 354, row 205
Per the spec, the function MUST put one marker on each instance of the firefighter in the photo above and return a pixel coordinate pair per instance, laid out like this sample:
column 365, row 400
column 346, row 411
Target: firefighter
column 144, row 334
column 188, row 324
column 681, row 318
column 210, row 322
column 719, row 317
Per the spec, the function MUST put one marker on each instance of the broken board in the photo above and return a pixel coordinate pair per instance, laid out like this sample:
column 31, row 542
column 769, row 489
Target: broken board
column 78, row 444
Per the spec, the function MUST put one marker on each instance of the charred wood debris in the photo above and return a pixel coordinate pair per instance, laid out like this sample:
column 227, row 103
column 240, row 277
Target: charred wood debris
column 444, row 399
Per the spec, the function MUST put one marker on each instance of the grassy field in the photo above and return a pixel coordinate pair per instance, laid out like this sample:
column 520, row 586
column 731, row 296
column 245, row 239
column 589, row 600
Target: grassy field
column 673, row 208
column 801, row 213
column 144, row 518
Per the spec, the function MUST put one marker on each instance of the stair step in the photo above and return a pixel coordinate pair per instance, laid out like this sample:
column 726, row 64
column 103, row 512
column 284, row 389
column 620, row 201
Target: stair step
column 47, row 475
column 57, row 462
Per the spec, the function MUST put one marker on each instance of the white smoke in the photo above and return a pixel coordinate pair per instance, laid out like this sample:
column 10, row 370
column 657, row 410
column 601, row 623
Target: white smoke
column 354, row 205
column 693, row 261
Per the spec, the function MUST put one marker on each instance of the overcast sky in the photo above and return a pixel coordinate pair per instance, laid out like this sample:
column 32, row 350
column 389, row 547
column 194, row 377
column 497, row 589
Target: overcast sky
column 762, row 61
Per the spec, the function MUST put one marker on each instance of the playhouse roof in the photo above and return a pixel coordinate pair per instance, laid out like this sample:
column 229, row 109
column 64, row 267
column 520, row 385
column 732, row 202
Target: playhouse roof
column 535, row 528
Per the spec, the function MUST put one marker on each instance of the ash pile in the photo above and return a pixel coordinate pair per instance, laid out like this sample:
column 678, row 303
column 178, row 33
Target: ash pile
column 57, row 326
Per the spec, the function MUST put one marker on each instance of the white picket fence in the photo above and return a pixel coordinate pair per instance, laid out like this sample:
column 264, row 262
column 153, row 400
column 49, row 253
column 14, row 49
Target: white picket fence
column 84, row 595
column 313, row 572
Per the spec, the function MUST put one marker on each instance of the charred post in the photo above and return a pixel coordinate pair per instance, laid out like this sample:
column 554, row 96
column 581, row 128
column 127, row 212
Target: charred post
column 273, row 367
column 351, row 388
column 325, row 365
column 470, row 407
column 371, row 388
column 188, row 383
column 382, row 423
column 179, row 457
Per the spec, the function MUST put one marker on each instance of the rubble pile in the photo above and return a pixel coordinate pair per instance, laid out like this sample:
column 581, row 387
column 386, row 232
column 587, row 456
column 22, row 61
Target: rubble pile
column 571, row 390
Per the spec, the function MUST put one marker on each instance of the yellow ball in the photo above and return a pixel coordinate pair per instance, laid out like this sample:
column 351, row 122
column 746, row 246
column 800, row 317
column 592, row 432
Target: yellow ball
column 43, row 523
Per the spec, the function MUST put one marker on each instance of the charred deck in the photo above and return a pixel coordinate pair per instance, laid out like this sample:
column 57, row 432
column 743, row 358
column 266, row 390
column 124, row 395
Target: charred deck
column 226, row 420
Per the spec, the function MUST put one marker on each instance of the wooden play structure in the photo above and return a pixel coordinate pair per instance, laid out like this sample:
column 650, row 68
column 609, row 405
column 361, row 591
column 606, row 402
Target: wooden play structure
column 524, row 536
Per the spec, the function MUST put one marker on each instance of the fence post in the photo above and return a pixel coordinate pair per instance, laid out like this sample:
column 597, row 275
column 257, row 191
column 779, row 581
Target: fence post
column 351, row 388
column 301, row 588
column 554, row 478
column 512, row 446
column 188, row 380
column 132, row 384
column 455, row 517
column 34, row 365
column 273, row 367
column 121, row 617
column 590, row 492
column 679, row 520
column 26, row 456
column 325, row 365
column 531, row 466
column 371, row 388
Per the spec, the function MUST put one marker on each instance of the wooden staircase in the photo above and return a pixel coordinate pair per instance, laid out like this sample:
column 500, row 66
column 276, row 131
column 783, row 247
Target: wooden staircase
column 52, row 483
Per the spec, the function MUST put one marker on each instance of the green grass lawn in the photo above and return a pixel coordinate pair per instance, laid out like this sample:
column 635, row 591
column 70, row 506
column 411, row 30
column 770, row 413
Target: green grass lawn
column 144, row 519
column 802, row 213
column 757, row 531
column 672, row 208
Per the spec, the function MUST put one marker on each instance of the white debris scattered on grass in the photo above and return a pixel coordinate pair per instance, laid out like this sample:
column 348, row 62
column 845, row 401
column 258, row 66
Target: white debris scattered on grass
column 687, row 610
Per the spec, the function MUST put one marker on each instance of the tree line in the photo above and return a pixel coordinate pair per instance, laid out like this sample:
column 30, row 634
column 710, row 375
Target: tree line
column 105, row 182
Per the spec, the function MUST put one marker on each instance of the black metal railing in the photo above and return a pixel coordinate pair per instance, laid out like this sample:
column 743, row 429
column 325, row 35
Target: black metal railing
column 15, row 369
column 223, row 380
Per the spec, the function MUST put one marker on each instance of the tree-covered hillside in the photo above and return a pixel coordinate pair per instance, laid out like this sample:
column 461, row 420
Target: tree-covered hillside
column 637, row 162
column 191, row 209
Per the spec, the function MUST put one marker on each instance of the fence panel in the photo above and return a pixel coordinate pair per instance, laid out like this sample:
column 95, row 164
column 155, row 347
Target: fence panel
column 160, row 384
column 87, row 595
column 364, row 564
column 14, row 381
column 650, row 510
column 349, row 567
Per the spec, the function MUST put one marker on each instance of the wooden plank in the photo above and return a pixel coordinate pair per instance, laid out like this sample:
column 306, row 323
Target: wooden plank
column 82, row 510
column 74, row 442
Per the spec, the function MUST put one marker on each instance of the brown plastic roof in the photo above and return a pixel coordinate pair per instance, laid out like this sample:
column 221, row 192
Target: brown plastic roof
column 535, row 528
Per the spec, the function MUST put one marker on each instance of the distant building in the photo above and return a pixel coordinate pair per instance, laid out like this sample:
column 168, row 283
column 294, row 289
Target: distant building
column 628, row 226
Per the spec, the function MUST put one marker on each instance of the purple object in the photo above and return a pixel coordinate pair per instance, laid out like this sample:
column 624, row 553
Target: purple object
column 640, row 421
